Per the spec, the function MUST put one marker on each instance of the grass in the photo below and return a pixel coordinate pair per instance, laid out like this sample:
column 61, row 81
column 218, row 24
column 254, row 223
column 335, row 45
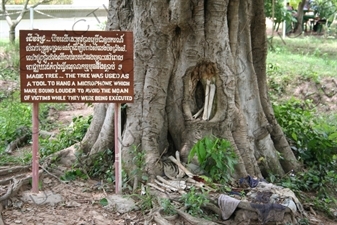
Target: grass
column 304, row 57
column 9, row 61
column 293, row 61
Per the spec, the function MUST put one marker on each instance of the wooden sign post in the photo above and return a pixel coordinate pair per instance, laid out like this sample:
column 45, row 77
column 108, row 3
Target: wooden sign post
column 76, row 66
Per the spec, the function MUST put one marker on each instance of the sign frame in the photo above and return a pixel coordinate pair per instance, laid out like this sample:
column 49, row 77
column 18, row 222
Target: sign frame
column 76, row 66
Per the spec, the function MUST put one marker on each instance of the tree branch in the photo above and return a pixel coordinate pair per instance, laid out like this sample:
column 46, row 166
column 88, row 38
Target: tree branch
column 22, row 13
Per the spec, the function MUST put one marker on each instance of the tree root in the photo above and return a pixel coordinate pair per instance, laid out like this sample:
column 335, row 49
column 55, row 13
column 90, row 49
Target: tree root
column 214, row 209
column 24, row 138
column 12, row 190
column 66, row 156
column 194, row 220
column 160, row 220
column 14, row 178
column 13, row 170
column 1, row 221
column 19, row 142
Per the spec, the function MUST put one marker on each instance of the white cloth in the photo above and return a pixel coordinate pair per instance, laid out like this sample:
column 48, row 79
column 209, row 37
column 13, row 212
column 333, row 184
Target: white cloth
column 227, row 205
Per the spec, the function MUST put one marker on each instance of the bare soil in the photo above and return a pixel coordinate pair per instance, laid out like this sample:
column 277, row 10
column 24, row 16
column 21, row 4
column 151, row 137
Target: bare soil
column 80, row 205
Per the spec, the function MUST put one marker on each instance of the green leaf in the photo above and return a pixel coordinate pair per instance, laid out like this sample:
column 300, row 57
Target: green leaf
column 201, row 152
column 103, row 202
column 192, row 153
column 333, row 137
column 294, row 136
column 145, row 178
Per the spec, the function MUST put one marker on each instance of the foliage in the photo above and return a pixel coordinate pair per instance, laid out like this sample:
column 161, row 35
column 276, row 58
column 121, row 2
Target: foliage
column 216, row 157
column 73, row 174
column 49, row 2
column 294, row 3
column 102, row 25
column 137, row 173
column 167, row 206
column 320, row 180
column 291, row 62
column 22, row 159
column 16, row 118
column 9, row 61
column 139, row 162
column 145, row 200
column 313, row 140
column 66, row 137
column 102, row 166
column 280, row 12
column 194, row 201
column 104, row 202
column 325, row 9
column 311, row 135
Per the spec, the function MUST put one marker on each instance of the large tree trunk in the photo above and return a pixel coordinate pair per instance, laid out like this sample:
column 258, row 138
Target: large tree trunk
column 188, row 55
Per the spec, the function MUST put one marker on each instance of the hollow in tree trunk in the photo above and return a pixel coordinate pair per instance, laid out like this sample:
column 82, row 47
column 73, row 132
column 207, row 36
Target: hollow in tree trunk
column 200, row 69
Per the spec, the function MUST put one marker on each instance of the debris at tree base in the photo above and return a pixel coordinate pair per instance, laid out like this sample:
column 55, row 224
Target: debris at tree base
column 271, row 203
column 262, row 203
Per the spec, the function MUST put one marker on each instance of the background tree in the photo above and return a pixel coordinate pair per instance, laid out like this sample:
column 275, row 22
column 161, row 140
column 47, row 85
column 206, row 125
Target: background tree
column 13, row 23
column 200, row 69
column 280, row 13
column 325, row 9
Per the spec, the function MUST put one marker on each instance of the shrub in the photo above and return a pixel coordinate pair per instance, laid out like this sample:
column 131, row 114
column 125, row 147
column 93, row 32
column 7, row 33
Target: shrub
column 194, row 201
column 216, row 157
column 312, row 139
column 67, row 136
column 16, row 118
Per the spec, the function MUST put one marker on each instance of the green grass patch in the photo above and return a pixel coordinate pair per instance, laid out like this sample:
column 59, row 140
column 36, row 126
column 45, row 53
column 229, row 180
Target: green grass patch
column 307, row 45
column 66, row 137
column 304, row 57
column 9, row 60
column 16, row 120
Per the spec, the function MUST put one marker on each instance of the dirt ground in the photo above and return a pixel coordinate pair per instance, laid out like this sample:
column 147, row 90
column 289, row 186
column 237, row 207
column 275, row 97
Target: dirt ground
column 80, row 204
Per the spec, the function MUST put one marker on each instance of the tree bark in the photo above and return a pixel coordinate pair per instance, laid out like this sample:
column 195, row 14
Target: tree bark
column 300, row 14
column 200, row 69
column 12, row 24
column 12, row 33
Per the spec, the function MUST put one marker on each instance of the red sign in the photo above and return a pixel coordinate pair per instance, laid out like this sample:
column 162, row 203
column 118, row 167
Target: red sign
column 76, row 66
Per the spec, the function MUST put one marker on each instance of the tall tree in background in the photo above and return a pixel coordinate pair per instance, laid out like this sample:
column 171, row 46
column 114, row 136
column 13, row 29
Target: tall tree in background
column 13, row 23
column 300, row 14
column 200, row 70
